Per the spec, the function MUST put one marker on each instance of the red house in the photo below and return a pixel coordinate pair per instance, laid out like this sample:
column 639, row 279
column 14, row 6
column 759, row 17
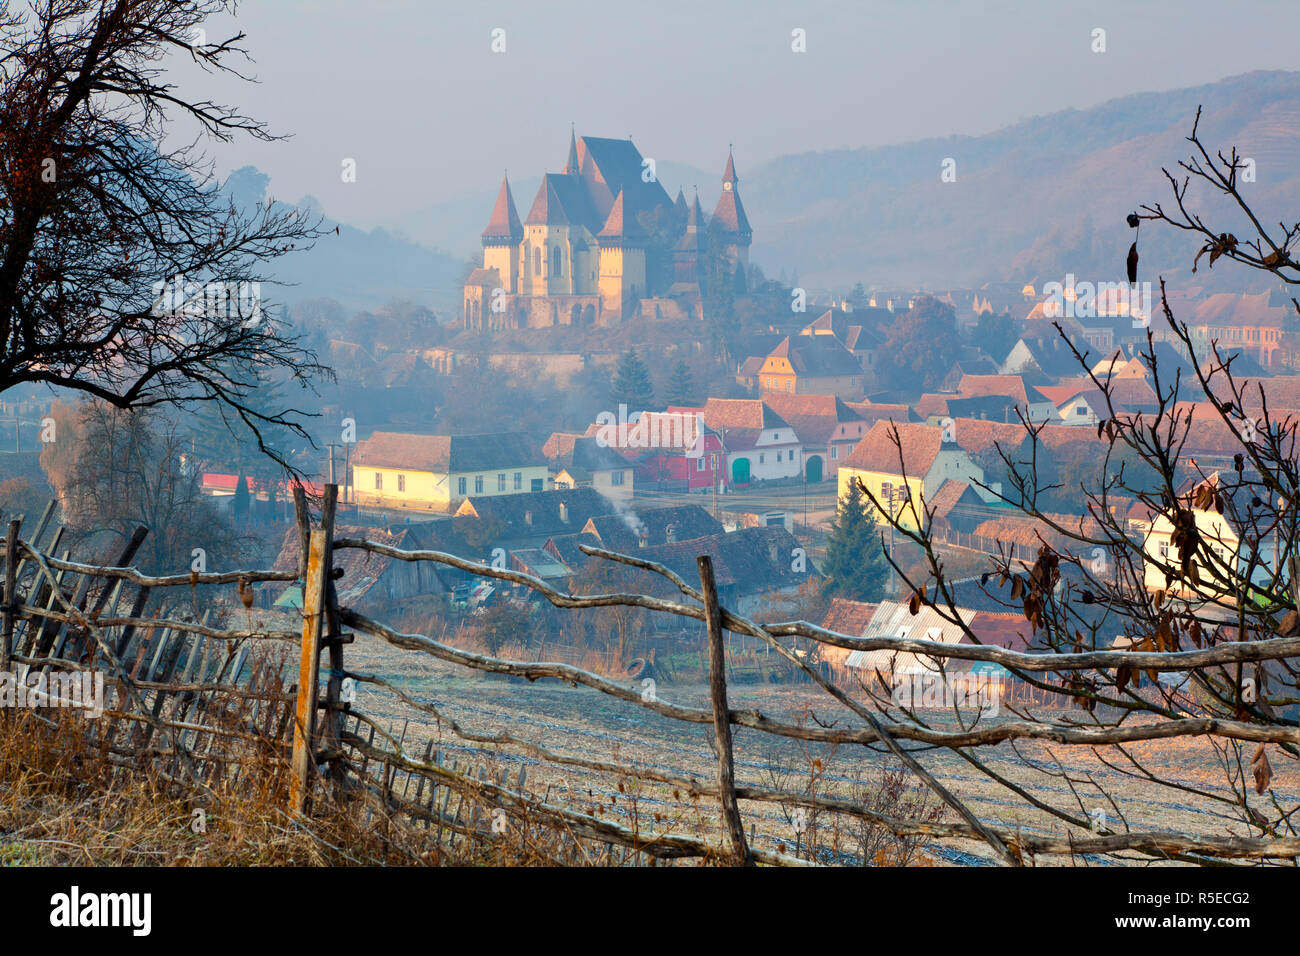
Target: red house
column 672, row 450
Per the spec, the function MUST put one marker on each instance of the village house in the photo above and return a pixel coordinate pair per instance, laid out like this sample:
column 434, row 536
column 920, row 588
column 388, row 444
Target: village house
column 1252, row 323
column 627, row 531
column 859, row 331
column 580, row 462
column 1041, row 358
column 828, row 429
column 759, row 444
column 758, row 571
column 436, row 473
column 1035, row 406
column 1219, row 531
column 669, row 451
column 527, row 520
column 368, row 580
column 812, row 365
column 916, row 475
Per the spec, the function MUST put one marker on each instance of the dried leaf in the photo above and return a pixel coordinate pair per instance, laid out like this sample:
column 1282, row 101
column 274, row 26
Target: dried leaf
column 1287, row 627
column 1262, row 769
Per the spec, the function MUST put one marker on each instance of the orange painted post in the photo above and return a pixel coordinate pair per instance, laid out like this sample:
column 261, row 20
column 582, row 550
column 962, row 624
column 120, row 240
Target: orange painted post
column 313, row 604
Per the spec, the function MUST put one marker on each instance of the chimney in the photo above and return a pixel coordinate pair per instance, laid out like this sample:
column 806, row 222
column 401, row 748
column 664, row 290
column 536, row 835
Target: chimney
column 564, row 512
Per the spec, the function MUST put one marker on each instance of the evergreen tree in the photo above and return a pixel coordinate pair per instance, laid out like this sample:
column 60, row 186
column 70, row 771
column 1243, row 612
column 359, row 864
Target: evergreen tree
column 632, row 386
column 681, row 386
column 855, row 565
column 243, row 501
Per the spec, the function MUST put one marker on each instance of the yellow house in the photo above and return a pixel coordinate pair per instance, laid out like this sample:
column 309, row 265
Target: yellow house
column 581, row 462
column 926, row 462
column 812, row 365
column 1216, row 532
column 435, row 473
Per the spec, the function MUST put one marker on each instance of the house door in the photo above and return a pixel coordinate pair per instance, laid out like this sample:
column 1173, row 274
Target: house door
column 740, row 471
column 814, row 473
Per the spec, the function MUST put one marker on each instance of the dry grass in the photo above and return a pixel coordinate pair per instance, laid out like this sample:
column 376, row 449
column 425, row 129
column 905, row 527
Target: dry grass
column 63, row 801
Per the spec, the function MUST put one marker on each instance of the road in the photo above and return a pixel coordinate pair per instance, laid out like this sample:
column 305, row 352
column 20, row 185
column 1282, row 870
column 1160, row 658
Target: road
column 820, row 500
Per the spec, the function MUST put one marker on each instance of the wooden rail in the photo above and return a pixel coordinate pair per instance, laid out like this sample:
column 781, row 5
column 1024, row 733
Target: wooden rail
column 191, row 696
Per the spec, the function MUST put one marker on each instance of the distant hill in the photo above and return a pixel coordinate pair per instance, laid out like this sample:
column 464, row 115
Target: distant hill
column 1033, row 201
column 357, row 268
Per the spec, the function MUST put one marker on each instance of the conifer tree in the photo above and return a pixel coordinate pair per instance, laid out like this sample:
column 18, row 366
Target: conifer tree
column 855, row 565
column 632, row 386
column 681, row 386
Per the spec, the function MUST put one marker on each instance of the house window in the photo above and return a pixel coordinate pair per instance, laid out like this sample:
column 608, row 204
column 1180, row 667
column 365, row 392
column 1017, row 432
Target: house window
column 1081, row 410
column 401, row 482
column 519, row 481
column 835, row 451
column 616, row 479
column 760, row 459
column 537, row 484
column 699, row 465
column 460, row 486
column 1163, row 549
column 501, row 481
column 886, row 491
column 379, row 482
column 478, row 484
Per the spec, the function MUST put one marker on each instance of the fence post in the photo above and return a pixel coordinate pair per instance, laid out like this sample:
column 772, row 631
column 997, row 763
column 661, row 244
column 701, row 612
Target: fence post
column 10, row 595
column 740, row 854
column 313, row 600
column 334, row 641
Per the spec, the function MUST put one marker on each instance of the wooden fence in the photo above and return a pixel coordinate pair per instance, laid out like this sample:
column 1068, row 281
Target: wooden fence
column 193, row 697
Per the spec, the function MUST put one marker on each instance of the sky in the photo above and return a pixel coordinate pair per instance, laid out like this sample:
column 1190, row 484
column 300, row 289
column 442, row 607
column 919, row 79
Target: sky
column 413, row 91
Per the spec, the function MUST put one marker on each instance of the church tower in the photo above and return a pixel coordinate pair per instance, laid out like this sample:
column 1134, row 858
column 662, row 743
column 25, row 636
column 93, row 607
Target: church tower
column 690, row 248
column 501, row 239
column 729, row 223
column 622, row 259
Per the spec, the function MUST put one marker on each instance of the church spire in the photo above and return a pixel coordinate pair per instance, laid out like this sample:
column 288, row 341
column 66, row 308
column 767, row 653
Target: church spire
column 729, row 174
column 504, row 224
column 571, row 166
column 729, row 217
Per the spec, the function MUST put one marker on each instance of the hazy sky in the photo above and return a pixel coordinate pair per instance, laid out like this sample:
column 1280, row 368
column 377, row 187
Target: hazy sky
column 413, row 92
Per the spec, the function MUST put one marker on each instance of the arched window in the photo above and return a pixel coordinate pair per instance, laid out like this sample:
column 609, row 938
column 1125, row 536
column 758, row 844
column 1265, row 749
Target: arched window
column 557, row 266
column 537, row 259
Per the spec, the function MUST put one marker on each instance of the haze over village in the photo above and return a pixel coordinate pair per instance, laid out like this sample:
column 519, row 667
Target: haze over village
column 953, row 440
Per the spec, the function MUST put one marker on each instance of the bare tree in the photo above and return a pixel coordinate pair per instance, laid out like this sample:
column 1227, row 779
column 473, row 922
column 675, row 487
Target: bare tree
column 125, row 273
column 1178, row 570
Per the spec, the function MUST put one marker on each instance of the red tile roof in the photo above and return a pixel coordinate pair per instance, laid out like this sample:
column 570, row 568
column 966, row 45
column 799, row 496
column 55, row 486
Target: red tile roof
column 978, row 385
column 877, row 452
column 848, row 617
